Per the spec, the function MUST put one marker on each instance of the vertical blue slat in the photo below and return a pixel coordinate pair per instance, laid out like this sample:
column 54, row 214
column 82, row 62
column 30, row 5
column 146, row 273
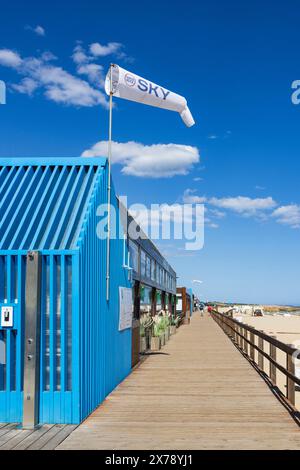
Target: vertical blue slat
column 8, row 337
column 19, row 346
column 53, row 293
column 76, row 349
column 63, row 377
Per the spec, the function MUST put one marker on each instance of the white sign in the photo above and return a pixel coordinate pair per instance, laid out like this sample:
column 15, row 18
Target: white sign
column 131, row 87
column 126, row 307
column 7, row 320
column 179, row 304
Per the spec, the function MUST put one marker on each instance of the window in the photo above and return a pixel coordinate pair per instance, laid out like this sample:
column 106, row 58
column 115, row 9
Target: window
column 157, row 273
column 134, row 256
column 153, row 270
column 161, row 276
column 143, row 263
column 145, row 299
column 158, row 301
column 148, row 267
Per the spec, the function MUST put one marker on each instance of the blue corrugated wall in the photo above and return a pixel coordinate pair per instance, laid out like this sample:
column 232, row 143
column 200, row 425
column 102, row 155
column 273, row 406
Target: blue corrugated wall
column 105, row 352
column 51, row 207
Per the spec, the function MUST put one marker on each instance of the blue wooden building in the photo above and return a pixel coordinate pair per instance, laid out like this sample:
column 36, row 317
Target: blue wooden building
column 48, row 217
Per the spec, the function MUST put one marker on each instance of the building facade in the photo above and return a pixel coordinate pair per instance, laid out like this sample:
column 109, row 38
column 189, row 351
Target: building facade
column 62, row 350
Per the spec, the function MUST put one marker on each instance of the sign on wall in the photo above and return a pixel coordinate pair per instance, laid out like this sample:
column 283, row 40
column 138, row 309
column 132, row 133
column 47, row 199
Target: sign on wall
column 125, row 299
column 178, row 303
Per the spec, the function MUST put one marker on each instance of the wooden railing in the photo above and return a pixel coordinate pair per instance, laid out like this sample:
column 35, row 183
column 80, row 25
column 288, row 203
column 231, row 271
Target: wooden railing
column 249, row 340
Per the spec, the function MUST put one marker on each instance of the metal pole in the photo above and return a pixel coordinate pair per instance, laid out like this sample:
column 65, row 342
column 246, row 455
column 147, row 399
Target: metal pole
column 109, row 188
column 31, row 377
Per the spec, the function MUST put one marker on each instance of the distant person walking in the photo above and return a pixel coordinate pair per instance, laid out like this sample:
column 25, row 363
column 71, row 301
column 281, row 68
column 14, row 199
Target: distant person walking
column 201, row 308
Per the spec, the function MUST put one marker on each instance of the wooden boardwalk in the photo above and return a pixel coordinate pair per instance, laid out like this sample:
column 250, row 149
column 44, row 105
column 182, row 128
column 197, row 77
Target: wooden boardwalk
column 199, row 393
column 47, row 437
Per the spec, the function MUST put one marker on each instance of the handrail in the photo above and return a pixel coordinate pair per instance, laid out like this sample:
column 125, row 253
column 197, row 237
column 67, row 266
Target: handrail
column 278, row 344
column 238, row 332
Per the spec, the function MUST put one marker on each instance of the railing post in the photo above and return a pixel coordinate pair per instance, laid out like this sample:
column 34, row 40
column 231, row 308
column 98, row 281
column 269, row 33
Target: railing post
column 260, row 360
column 235, row 333
column 273, row 356
column 245, row 342
column 242, row 338
column 252, row 350
column 229, row 329
column 290, row 385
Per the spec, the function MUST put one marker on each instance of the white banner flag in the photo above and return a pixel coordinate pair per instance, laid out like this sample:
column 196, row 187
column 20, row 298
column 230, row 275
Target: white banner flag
column 131, row 87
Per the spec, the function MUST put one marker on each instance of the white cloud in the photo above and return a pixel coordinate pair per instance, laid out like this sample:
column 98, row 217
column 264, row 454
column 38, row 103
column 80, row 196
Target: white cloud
column 62, row 87
column 9, row 58
column 39, row 30
column 189, row 197
column 94, row 72
column 217, row 213
column 58, row 84
column 98, row 50
column 79, row 55
column 197, row 281
column 259, row 208
column 85, row 66
column 198, row 179
column 213, row 225
column 26, row 86
column 244, row 205
column 288, row 215
column 148, row 218
column 149, row 161
column 212, row 137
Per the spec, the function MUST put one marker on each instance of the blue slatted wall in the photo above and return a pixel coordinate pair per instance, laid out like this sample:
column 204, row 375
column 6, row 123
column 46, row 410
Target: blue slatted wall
column 51, row 207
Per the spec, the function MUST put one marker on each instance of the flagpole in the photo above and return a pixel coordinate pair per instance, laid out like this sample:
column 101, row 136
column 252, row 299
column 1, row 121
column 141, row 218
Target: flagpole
column 109, row 187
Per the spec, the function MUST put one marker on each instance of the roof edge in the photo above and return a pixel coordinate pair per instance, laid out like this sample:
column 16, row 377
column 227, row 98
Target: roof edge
column 53, row 161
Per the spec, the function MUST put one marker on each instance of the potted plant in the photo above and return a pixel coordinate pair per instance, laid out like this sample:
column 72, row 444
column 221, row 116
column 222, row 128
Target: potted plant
column 165, row 323
column 173, row 324
column 155, row 339
column 143, row 345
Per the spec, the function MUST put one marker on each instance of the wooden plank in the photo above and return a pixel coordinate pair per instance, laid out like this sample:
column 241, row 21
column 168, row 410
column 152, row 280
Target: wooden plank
column 15, row 437
column 35, row 436
column 2, row 425
column 6, row 437
column 59, row 437
column 200, row 394
column 7, row 428
column 42, row 441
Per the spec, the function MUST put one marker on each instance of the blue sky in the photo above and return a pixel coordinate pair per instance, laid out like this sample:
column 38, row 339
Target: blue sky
column 235, row 63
